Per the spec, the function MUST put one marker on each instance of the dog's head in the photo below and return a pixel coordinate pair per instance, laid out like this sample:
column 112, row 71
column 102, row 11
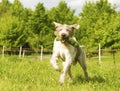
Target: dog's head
column 64, row 31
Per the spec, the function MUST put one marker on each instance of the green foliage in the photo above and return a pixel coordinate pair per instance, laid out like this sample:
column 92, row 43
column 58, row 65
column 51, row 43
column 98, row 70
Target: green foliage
column 95, row 21
column 15, row 36
column 4, row 7
column 40, row 26
column 19, row 26
column 17, row 9
column 62, row 14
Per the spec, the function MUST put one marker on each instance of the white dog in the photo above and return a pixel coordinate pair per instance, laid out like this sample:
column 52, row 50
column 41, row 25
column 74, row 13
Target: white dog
column 67, row 48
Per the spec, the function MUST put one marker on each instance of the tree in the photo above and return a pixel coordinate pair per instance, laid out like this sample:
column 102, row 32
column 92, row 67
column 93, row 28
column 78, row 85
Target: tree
column 40, row 27
column 94, row 19
column 112, row 39
column 19, row 26
column 15, row 33
column 4, row 7
column 62, row 14
column 17, row 9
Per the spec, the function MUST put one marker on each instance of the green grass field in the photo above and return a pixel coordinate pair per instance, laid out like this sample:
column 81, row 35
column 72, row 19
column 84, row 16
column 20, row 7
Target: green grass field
column 30, row 74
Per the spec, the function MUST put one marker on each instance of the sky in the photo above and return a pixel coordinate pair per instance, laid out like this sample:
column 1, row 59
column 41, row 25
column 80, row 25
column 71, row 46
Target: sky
column 73, row 4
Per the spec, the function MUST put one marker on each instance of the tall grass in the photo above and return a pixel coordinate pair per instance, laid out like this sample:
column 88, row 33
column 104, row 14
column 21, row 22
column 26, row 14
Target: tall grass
column 30, row 74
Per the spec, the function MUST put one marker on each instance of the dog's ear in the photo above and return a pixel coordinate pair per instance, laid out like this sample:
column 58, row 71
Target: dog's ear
column 75, row 26
column 57, row 24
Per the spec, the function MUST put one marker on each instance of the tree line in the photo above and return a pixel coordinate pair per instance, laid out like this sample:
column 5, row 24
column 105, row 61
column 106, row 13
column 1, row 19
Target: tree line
column 19, row 26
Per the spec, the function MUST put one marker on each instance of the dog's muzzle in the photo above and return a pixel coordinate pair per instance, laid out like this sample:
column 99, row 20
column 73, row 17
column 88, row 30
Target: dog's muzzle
column 63, row 37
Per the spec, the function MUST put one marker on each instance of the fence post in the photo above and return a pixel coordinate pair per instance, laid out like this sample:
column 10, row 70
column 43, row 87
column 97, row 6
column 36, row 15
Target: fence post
column 99, row 54
column 20, row 51
column 41, row 53
column 3, row 51
column 114, row 51
column 23, row 54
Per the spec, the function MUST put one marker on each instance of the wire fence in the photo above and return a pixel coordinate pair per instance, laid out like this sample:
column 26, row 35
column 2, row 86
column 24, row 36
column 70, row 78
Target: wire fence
column 98, row 54
column 21, row 52
column 111, row 55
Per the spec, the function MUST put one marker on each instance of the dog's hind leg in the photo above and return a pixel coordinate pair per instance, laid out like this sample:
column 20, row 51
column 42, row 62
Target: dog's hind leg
column 83, row 65
column 82, row 62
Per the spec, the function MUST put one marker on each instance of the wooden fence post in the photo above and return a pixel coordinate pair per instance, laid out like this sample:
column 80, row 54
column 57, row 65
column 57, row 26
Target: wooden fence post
column 113, row 52
column 41, row 53
column 3, row 52
column 23, row 54
column 99, row 54
column 20, row 51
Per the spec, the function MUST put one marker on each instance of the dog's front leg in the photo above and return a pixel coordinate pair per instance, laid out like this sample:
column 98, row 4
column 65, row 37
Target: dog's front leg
column 53, row 61
column 69, row 71
column 66, row 68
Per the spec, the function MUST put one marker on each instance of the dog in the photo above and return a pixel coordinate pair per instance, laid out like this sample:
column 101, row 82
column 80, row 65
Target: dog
column 68, row 52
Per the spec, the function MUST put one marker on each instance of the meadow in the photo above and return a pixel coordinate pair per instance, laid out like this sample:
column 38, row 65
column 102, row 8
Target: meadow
column 31, row 74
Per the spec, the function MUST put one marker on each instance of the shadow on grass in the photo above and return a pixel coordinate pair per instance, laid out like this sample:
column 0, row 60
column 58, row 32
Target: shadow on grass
column 95, row 79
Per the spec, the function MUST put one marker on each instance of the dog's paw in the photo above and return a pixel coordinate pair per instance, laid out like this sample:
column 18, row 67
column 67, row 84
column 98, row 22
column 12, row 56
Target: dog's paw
column 61, row 82
column 62, row 77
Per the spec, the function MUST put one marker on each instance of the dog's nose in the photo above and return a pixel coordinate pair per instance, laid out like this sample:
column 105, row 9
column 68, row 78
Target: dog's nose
column 63, row 35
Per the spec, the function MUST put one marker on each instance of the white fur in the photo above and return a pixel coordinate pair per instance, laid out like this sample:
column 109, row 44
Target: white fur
column 67, row 53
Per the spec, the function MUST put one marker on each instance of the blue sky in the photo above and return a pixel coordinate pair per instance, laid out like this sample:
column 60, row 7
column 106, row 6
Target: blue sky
column 74, row 4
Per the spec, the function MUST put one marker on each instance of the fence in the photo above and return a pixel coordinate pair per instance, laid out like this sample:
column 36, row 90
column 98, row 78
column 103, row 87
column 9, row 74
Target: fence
column 103, row 53
column 21, row 52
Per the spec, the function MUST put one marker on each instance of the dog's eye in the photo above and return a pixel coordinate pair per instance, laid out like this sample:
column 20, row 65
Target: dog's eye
column 60, row 29
column 69, row 30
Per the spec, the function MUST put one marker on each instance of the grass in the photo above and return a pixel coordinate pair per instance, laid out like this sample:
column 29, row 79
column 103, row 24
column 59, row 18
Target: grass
column 33, row 75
